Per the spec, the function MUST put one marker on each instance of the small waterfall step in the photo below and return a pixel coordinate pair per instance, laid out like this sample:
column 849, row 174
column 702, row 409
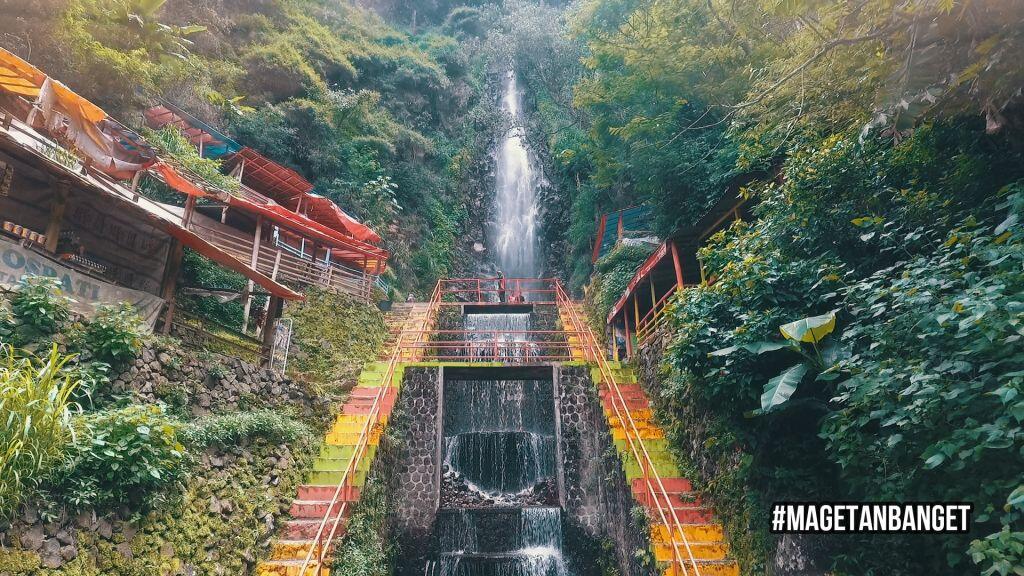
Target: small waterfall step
column 313, row 501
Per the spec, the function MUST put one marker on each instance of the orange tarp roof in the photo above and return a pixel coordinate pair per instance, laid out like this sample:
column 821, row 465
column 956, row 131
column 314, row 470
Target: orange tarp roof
column 18, row 76
column 289, row 189
column 269, row 178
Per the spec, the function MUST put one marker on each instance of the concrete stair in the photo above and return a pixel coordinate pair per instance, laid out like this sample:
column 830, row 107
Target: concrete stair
column 313, row 502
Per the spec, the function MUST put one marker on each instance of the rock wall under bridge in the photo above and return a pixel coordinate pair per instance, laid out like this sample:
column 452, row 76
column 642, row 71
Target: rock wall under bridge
column 596, row 496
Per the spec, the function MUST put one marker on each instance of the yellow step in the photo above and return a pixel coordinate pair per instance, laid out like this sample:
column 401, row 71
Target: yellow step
column 289, row 568
column 706, row 568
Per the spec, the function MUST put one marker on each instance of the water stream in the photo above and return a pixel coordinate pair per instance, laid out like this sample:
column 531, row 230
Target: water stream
column 516, row 211
column 499, row 514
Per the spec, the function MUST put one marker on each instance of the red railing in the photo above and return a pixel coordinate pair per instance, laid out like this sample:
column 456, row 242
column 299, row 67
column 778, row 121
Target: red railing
column 662, row 502
column 455, row 291
column 508, row 346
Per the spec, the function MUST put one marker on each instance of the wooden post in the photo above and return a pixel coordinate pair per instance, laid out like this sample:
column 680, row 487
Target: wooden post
column 247, row 294
column 135, row 185
column 678, row 265
column 654, row 295
column 636, row 311
column 190, row 207
column 629, row 337
column 170, row 282
column 57, row 207
column 277, row 265
column 274, row 309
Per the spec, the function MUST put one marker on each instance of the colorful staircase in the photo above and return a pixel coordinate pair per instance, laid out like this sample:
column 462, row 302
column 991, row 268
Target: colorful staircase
column 697, row 532
column 314, row 499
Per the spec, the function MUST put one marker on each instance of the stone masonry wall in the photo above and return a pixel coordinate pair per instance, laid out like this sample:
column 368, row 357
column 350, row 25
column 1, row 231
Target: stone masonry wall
column 597, row 497
column 418, row 469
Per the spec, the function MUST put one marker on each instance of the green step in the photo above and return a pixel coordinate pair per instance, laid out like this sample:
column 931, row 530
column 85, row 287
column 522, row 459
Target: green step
column 652, row 444
column 339, row 464
column 663, row 464
column 332, row 478
column 335, row 451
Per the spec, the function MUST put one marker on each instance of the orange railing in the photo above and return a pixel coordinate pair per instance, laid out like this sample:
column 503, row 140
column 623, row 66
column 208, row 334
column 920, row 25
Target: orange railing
column 655, row 487
column 321, row 545
column 508, row 346
column 497, row 290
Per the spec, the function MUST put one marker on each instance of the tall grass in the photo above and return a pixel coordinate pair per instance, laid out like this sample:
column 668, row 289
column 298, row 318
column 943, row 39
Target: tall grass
column 35, row 420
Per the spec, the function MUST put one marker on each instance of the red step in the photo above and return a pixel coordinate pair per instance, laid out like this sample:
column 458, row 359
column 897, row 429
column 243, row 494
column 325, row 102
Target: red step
column 672, row 486
column 326, row 493
column 317, row 509
column 677, row 500
column 306, row 529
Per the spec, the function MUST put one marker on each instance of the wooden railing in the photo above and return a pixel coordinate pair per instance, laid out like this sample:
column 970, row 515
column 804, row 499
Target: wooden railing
column 655, row 486
column 283, row 266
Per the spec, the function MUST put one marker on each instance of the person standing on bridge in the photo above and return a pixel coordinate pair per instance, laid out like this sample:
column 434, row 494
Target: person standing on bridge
column 501, row 287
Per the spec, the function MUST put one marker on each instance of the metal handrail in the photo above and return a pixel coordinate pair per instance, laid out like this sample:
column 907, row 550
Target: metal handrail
column 319, row 546
column 591, row 347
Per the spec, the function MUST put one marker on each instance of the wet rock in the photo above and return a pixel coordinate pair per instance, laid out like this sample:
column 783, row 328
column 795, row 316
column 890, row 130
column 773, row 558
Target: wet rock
column 104, row 528
column 32, row 538
column 30, row 514
column 65, row 537
column 68, row 553
column 49, row 555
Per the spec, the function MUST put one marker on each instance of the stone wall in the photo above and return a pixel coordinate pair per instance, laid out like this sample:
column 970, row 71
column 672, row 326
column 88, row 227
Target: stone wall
column 419, row 469
column 597, row 498
column 205, row 382
column 225, row 515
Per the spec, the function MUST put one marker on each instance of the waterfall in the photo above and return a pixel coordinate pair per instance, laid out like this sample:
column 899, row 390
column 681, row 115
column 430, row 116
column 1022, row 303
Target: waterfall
column 499, row 336
column 498, row 513
column 517, row 542
column 516, row 192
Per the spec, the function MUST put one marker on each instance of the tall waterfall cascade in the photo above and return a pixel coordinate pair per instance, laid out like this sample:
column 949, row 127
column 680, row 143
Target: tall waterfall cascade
column 515, row 197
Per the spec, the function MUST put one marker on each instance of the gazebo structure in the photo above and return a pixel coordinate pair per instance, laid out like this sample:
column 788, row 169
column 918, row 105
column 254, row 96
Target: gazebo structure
column 674, row 265
column 71, row 208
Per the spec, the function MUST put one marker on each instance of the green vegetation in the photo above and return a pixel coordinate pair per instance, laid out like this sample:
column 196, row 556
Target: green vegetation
column 113, row 335
column 36, row 400
column 122, row 456
column 231, row 429
column 333, row 335
column 39, row 309
column 881, row 148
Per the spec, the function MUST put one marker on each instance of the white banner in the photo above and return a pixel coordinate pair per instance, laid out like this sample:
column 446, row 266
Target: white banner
column 86, row 292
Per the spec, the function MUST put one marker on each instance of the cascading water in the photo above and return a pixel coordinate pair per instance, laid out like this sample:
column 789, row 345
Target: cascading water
column 499, row 513
column 499, row 443
column 517, row 180
column 516, row 542
column 499, row 336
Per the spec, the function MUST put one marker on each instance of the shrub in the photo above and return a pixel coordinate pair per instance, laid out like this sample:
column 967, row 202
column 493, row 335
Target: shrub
column 114, row 335
column 128, row 455
column 35, row 400
column 39, row 309
column 231, row 429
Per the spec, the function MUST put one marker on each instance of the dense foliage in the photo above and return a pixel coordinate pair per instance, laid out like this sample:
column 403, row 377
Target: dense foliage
column 36, row 398
column 124, row 456
column 880, row 143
